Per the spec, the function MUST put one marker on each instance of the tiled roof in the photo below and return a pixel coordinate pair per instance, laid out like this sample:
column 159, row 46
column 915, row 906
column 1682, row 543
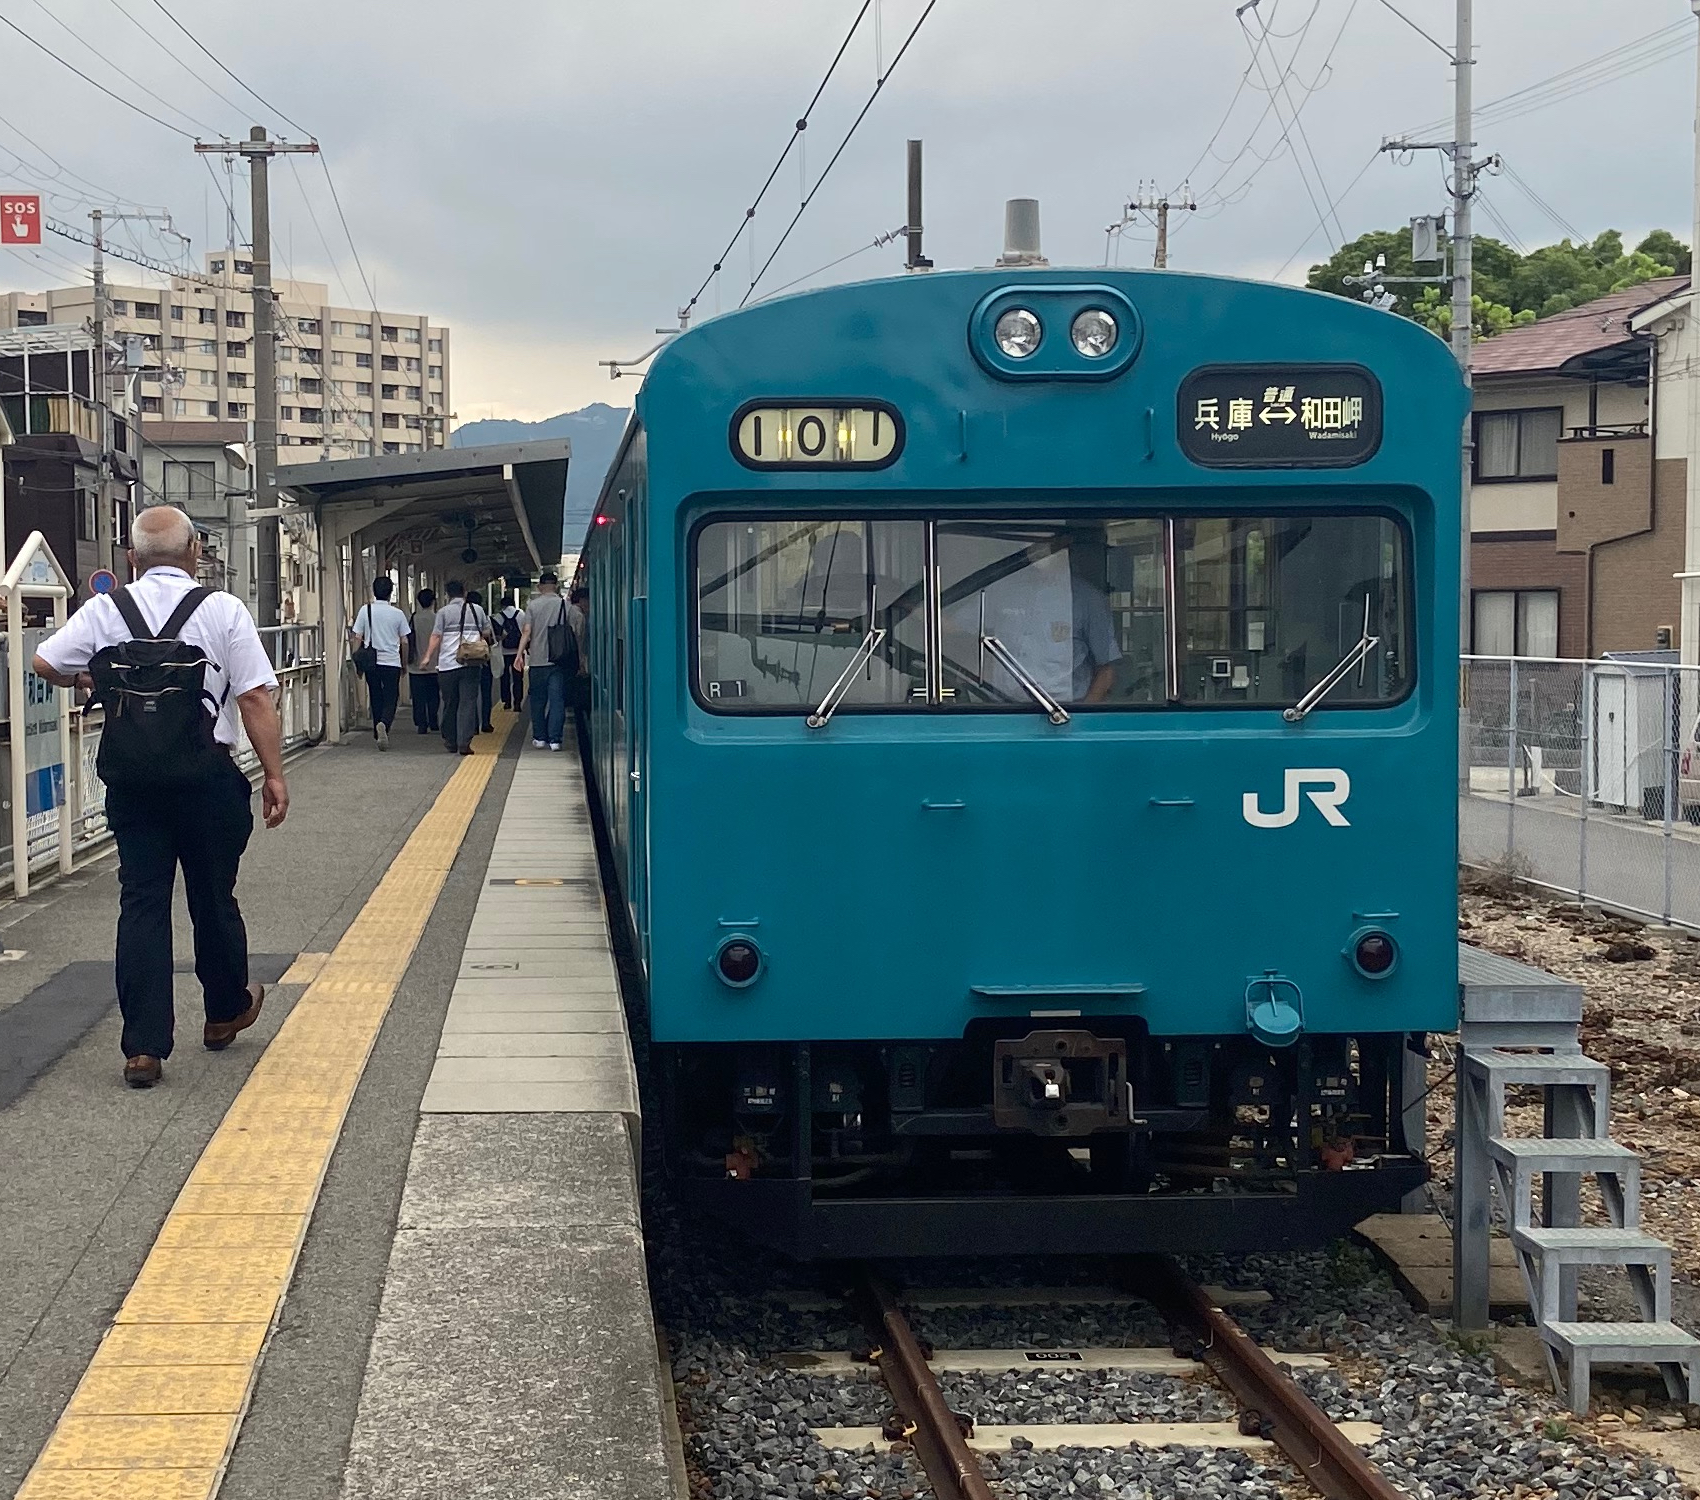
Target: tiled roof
column 1552, row 342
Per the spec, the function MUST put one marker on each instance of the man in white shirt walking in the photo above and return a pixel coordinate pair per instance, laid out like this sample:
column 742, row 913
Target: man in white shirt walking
column 460, row 643
column 202, row 824
column 384, row 629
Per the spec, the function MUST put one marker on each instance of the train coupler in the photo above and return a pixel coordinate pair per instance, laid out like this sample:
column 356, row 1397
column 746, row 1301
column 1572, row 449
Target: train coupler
column 1060, row 1083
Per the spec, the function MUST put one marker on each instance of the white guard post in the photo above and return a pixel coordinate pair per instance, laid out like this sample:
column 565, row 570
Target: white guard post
column 35, row 574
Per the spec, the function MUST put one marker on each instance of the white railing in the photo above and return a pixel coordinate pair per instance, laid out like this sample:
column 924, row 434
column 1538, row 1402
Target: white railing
column 1583, row 777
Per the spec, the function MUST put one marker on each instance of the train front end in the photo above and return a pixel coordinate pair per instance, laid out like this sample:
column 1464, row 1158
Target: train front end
column 1034, row 714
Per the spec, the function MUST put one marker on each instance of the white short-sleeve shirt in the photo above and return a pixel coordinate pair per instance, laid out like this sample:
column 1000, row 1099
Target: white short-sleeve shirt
column 381, row 625
column 221, row 627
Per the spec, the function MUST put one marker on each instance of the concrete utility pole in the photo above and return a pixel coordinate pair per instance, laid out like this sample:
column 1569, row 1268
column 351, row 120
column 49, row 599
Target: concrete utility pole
column 1463, row 306
column 1158, row 205
column 259, row 150
column 103, row 537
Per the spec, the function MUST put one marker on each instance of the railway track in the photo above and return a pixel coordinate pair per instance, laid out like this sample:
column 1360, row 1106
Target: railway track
column 1272, row 1408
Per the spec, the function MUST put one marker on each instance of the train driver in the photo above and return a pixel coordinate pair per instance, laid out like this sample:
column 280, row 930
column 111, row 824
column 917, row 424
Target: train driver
column 1056, row 620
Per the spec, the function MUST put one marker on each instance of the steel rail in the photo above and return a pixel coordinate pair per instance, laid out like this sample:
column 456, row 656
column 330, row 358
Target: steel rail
column 932, row 1427
column 1308, row 1440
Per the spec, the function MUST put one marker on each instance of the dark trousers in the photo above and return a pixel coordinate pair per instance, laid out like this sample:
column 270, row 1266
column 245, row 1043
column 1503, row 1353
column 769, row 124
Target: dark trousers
column 486, row 689
column 513, row 682
column 460, row 705
column 204, row 829
column 548, row 704
column 384, row 684
column 422, row 687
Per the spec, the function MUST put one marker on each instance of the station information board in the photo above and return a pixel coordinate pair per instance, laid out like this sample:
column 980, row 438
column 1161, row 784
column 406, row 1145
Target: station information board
column 1279, row 416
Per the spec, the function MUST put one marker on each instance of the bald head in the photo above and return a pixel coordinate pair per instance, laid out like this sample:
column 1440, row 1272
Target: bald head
column 162, row 537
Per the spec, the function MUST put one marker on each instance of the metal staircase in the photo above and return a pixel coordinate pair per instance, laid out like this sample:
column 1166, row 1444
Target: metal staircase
column 1575, row 1144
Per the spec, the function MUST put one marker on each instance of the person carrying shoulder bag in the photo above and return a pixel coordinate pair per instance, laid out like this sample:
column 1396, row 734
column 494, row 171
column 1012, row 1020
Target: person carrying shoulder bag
column 548, row 642
column 460, row 644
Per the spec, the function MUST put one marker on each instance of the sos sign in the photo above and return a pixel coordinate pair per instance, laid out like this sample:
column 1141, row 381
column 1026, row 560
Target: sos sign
column 20, row 219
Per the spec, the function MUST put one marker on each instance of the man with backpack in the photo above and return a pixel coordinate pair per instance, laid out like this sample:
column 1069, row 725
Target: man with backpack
column 174, row 664
column 509, row 626
column 548, row 643
column 460, row 643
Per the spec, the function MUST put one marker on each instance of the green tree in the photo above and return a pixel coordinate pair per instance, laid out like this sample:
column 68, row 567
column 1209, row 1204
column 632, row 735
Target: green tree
column 1510, row 289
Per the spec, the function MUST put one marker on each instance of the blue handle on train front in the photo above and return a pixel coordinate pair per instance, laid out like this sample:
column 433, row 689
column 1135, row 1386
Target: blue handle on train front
column 1274, row 1010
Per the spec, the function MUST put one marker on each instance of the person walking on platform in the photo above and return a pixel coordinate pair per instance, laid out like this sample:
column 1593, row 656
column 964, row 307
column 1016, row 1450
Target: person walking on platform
column 174, row 664
column 548, row 643
column 422, row 666
column 460, row 643
column 384, row 632
column 510, row 625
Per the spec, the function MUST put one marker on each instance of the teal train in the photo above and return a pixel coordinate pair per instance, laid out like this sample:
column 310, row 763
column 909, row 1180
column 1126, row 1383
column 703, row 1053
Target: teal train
column 1025, row 717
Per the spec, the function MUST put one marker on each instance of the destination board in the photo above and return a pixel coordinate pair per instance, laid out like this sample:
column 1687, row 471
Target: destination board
column 1279, row 416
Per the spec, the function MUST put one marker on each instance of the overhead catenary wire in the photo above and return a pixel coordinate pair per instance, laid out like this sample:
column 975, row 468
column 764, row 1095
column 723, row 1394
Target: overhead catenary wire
column 129, row 104
column 826, row 171
column 123, row 73
column 241, row 83
column 209, row 87
column 1320, row 227
column 796, row 132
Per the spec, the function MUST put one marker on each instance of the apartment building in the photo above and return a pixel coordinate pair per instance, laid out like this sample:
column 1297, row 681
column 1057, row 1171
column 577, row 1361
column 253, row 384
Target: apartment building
column 351, row 383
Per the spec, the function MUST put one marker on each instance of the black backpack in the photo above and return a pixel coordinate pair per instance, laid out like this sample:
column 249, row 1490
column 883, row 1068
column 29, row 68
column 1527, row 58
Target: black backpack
column 158, row 731
column 562, row 644
column 510, row 632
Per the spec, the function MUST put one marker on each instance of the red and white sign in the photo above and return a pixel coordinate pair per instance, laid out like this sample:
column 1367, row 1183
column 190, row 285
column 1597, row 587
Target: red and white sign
column 20, row 219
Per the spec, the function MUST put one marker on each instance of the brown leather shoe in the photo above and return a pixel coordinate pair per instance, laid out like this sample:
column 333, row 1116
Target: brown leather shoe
column 220, row 1034
column 142, row 1072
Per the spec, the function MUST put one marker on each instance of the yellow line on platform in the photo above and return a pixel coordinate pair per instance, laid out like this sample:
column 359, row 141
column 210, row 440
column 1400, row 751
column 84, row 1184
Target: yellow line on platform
column 158, row 1410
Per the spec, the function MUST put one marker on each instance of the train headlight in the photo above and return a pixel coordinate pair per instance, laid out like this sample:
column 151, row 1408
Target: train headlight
column 1018, row 332
column 738, row 962
column 1373, row 953
column 1094, row 333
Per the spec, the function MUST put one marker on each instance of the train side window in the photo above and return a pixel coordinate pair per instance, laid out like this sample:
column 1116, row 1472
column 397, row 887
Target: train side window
column 785, row 606
column 1079, row 605
column 1270, row 605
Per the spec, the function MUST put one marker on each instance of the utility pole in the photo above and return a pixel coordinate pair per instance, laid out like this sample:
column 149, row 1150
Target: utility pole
column 259, row 150
column 1461, row 149
column 914, row 261
column 1689, row 628
column 103, row 537
column 1158, row 206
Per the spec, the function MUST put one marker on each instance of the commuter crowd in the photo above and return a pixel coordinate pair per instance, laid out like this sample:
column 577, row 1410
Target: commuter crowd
column 457, row 656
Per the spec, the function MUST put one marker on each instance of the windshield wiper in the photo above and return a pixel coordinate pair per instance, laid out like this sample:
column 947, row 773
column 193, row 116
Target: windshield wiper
column 835, row 693
column 1356, row 657
column 1056, row 712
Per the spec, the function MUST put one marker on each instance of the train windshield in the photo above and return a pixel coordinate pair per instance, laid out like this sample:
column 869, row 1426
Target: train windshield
column 1130, row 612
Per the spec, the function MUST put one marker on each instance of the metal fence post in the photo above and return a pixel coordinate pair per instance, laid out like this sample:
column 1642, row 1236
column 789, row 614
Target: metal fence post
column 1667, row 763
column 1585, row 782
column 1511, row 768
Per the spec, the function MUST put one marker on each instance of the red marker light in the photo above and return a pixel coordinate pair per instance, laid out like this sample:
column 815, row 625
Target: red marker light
column 602, row 520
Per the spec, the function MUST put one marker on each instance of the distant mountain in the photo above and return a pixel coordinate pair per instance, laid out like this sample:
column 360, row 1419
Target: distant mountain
column 594, row 433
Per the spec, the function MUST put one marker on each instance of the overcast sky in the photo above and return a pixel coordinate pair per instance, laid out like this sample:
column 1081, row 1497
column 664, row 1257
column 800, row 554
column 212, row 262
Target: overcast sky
column 553, row 178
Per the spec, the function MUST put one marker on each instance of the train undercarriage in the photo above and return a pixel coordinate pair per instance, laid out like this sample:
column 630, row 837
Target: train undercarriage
column 1069, row 1136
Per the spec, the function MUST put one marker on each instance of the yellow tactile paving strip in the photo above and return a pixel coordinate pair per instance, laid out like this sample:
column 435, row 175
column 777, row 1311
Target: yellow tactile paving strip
column 159, row 1407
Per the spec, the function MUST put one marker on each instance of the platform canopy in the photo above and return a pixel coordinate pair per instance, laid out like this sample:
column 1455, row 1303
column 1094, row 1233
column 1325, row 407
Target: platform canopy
column 505, row 502
column 482, row 515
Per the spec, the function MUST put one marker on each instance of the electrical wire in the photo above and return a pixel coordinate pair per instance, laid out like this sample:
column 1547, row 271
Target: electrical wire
column 354, row 250
column 1516, row 180
column 7, row 21
column 1344, row 195
column 225, row 98
column 873, row 244
column 126, row 76
column 1487, row 207
column 826, row 171
column 336, row 267
column 801, row 125
column 245, row 87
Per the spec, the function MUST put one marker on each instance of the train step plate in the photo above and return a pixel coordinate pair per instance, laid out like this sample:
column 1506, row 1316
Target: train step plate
column 1053, row 1435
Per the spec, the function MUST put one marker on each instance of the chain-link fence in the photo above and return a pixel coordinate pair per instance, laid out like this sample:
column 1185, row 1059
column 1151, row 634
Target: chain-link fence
column 1585, row 776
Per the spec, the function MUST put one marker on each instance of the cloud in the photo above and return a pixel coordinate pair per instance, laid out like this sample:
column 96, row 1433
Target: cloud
column 553, row 178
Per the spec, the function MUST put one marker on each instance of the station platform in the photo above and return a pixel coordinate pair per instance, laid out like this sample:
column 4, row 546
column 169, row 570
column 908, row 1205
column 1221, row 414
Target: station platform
column 389, row 1242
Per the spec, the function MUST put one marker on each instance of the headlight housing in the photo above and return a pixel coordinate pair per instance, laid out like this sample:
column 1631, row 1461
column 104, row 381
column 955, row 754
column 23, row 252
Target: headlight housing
column 1094, row 333
column 1018, row 332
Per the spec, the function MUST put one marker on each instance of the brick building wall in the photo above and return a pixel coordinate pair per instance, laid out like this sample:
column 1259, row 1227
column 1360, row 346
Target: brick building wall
column 1530, row 560
column 1635, row 591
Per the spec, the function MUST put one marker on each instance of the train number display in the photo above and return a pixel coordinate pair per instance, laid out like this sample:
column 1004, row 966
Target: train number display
column 867, row 435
